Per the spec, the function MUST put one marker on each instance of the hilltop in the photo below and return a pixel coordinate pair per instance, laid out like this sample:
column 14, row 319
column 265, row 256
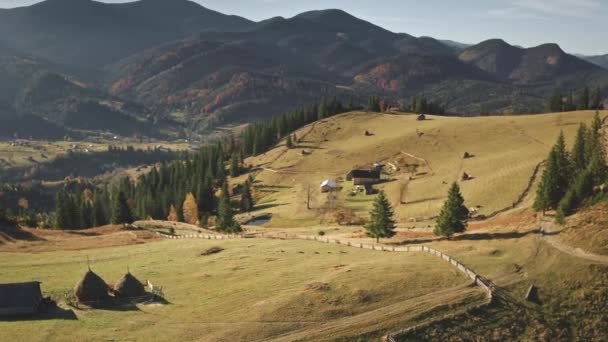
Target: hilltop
column 421, row 158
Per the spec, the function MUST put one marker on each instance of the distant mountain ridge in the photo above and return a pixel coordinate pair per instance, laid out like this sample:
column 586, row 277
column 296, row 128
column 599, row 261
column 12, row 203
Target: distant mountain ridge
column 162, row 63
column 92, row 34
column 601, row 60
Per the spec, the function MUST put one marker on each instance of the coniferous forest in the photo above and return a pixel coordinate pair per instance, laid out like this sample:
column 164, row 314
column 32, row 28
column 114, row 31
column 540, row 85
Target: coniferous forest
column 167, row 191
column 571, row 178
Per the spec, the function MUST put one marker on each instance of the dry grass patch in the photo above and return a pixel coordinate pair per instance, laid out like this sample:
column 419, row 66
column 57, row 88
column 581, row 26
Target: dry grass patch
column 505, row 152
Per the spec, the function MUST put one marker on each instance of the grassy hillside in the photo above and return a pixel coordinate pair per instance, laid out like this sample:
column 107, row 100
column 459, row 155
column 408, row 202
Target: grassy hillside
column 429, row 154
column 255, row 289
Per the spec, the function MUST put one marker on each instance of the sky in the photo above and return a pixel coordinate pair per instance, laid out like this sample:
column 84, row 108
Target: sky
column 579, row 26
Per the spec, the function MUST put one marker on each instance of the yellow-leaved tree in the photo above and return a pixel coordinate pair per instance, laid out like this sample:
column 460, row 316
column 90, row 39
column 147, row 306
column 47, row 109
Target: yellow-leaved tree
column 190, row 210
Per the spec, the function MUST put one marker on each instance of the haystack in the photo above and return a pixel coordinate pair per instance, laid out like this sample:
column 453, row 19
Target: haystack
column 91, row 289
column 129, row 287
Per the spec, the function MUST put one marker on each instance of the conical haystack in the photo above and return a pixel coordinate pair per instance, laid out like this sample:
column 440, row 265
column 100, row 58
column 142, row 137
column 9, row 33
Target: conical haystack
column 129, row 287
column 91, row 289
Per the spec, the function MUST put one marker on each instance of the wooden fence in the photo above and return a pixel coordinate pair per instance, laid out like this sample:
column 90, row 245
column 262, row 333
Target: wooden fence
column 483, row 284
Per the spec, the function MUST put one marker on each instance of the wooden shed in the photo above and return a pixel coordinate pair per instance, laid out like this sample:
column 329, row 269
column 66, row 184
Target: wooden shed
column 20, row 299
column 328, row 186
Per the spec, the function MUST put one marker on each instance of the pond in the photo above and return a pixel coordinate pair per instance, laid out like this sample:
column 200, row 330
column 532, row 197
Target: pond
column 259, row 221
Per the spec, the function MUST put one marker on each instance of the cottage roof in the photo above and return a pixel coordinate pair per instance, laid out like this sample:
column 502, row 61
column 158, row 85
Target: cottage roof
column 365, row 174
column 328, row 182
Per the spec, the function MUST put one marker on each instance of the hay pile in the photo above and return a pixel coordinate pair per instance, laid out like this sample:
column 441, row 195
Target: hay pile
column 129, row 287
column 91, row 289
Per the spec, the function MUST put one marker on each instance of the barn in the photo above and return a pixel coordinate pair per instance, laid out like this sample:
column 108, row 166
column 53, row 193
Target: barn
column 364, row 177
column 20, row 299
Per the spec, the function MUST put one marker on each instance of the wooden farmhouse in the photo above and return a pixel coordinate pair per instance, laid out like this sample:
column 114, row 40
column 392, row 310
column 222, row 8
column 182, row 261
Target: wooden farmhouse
column 364, row 176
column 20, row 299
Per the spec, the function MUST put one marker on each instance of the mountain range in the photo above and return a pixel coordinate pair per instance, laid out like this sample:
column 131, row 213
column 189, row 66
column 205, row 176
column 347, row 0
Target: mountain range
column 167, row 66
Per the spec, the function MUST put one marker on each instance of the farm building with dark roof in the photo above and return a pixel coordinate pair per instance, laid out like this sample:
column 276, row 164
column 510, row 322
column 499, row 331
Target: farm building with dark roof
column 363, row 177
column 20, row 299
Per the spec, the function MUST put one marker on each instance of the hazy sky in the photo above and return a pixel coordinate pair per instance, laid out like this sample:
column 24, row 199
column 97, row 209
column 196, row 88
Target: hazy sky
column 579, row 26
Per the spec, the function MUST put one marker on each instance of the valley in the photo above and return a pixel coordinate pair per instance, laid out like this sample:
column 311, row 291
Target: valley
column 170, row 172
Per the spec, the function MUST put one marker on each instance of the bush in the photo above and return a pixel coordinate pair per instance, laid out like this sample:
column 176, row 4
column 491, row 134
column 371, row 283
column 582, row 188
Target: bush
column 172, row 231
column 321, row 233
column 347, row 217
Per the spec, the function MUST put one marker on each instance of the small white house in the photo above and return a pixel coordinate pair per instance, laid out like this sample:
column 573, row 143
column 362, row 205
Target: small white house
column 328, row 185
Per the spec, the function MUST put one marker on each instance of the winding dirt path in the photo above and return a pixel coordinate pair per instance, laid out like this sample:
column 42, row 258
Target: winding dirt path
column 550, row 234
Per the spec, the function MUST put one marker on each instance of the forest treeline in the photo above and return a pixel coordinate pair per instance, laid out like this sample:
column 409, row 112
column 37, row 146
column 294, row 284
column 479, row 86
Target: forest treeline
column 193, row 188
column 573, row 177
column 586, row 100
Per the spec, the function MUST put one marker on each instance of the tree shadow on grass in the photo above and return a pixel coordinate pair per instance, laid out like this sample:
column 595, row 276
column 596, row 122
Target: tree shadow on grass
column 268, row 206
column 472, row 237
column 494, row 236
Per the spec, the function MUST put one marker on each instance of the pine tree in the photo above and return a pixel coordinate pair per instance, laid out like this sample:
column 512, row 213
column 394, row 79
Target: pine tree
column 595, row 99
column 569, row 105
column 205, row 196
column 62, row 220
column 583, row 101
column 225, row 215
column 121, row 212
column 235, row 167
column 74, row 212
column 579, row 150
column 596, row 152
column 289, row 142
column 88, row 219
column 381, row 223
column 99, row 216
column 454, row 214
column 190, row 210
column 555, row 179
column 246, row 199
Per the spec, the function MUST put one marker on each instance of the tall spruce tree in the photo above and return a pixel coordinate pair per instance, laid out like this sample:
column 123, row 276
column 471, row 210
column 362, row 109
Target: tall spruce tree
column 235, row 165
column 62, row 220
column 99, row 215
column 595, row 99
column 289, row 142
column 381, row 223
column 555, row 179
column 579, row 149
column 583, row 100
column 121, row 213
column 225, row 215
column 246, row 198
column 454, row 214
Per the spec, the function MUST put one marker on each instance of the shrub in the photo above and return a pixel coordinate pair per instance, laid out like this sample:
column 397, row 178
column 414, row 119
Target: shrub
column 321, row 233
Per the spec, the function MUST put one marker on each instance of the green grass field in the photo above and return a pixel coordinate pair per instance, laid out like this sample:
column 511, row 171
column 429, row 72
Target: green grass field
column 255, row 289
column 505, row 152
